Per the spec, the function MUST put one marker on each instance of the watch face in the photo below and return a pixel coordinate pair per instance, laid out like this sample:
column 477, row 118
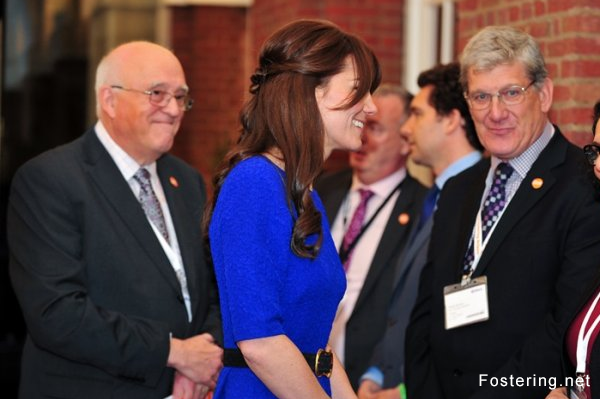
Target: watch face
column 324, row 363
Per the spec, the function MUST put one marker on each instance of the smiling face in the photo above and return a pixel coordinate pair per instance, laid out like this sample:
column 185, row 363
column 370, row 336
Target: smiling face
column 144, row 130
column 384, row 149
column 507, row 131
column 343, row 127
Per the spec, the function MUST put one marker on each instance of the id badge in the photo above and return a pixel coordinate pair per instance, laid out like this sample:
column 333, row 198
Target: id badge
column 466, row 304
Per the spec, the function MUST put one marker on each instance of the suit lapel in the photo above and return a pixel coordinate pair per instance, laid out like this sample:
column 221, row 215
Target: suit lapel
column 468, row 212
column 170, row 181
column 525, row 197
column 416, row 240
column 109, row 180
column 336, row 195
column 393, row 235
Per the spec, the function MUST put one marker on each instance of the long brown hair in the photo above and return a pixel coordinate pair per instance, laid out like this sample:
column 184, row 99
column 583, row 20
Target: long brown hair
column 282, row 112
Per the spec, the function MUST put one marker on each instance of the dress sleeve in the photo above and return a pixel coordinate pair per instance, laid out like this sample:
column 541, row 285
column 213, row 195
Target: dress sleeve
column 250, row 239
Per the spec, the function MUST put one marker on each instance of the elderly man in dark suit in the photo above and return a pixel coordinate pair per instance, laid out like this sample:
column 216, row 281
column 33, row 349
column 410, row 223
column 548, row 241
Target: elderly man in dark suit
column 442, row 136
column 389, row 212
column 106, row 253
column 515, row 238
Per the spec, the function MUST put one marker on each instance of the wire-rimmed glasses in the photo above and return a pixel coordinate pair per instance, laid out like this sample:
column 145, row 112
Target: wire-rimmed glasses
column 511, row 95
column 161, row 98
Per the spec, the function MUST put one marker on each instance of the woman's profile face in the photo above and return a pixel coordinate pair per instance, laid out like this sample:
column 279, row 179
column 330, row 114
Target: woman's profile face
column 343, row 127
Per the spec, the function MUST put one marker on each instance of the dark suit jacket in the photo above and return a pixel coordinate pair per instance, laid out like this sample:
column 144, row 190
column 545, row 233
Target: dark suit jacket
column 542, row 252
column 368, row 320
column 388, row 355
column 98, row 293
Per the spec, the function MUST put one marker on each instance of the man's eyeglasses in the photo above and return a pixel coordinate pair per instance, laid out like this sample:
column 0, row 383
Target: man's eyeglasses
column 591, row 152
column 161, row 98
column 511, row 95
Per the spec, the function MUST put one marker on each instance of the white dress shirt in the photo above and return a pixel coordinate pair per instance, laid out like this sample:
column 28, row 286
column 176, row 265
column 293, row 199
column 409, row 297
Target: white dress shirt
column 364, row 251
column 128, row 167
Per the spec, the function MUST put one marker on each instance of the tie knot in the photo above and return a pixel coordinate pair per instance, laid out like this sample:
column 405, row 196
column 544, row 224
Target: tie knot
column 504, row 171
column 142, row 176
column 433, row 192
column 365, row 194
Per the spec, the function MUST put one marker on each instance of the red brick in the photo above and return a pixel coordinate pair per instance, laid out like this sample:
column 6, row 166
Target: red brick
column 582, row 23
column 574, row 45
column 526, row 11
column 563, row 5
column 579, row 138
column 539, row 29
column 540, row 8
column 575, row 115
column 582, row 92
column 581, row 68
column 514, row 13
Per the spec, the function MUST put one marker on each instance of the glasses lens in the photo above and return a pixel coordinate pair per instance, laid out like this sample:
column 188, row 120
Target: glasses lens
column 512, row 95
column 159, row 97
column 187, row 103
column 591, row 152
column 479, row 100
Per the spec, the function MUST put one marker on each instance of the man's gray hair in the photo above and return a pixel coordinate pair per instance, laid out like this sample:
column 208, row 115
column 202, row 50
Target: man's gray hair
column 502, row 45
column 389, row 89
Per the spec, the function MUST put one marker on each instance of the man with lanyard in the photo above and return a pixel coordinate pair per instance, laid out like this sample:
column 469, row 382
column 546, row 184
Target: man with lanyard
column 515, row 238
column 442, row 136
column 106, row 254
column 371, row 207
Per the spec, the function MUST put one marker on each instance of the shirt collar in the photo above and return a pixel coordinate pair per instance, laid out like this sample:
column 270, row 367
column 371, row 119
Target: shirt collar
column 383, row 187
column 456, row 167
column 522, row 163
column 126, row 164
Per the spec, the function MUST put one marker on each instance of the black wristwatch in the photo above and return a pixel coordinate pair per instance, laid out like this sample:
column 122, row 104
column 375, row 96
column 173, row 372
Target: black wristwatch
column 323, row 363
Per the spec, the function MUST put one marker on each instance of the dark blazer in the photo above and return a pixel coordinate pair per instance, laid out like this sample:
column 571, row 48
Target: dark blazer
column 97, row 292
column 543, row 251
column 388, row 355
column 368, row 320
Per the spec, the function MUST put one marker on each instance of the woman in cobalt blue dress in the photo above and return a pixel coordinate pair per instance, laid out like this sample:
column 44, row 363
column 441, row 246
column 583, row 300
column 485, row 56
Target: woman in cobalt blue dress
column 280, row 279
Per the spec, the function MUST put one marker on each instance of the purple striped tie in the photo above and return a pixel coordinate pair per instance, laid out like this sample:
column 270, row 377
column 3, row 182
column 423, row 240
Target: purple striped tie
column 356, row 224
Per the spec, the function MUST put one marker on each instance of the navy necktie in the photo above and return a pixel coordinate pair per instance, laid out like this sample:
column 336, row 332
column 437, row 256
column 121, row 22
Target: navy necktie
column 428, row 205
column 492, row 208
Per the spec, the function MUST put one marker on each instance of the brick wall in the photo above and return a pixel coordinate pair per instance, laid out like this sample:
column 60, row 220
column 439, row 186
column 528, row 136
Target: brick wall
column 219, row 46
column 211, row 43
column 569, row 35
column 380, row 23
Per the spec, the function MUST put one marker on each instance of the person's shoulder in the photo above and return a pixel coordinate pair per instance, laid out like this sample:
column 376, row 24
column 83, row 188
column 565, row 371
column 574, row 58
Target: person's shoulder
column 174, row 163
column 328, row 180
column 411, row 181
column 253, row 183
column 470, row 174
column 58, row 159
column 255, row 169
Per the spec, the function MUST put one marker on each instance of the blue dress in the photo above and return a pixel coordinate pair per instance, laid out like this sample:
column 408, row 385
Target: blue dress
column 266, row 290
